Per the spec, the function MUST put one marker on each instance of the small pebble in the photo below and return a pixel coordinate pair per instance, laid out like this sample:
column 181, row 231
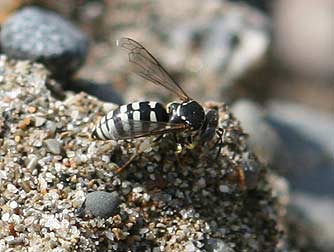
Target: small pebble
column 51, row 126
column 53, row 146
column 32, row 109
column 13, row 204
column 224, row 188
column 39, row 121
column 190, row 247
column 5, row 217
column 218, row 245
column 101, row 204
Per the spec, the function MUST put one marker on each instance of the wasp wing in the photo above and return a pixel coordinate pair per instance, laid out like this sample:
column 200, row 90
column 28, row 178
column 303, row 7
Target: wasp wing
column 134, row 128
column 148, row 67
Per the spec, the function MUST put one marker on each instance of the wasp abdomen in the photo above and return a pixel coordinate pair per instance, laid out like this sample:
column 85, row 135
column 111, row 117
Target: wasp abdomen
column 130, row 120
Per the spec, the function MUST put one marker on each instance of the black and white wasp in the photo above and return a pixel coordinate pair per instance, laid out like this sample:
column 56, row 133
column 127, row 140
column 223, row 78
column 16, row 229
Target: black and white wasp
column 140, row 119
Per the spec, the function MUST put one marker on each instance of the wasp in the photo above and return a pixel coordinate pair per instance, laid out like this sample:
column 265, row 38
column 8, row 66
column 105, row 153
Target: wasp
column 148, row 118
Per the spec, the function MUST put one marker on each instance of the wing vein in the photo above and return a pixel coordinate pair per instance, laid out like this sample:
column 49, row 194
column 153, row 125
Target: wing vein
column 149, row 68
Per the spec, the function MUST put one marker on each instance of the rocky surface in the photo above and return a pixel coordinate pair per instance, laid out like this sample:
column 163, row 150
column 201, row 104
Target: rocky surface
column 168, row 200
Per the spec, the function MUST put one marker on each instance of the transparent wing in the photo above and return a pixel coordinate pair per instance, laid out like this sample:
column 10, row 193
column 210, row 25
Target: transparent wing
column 135, row 129
column 149, row 68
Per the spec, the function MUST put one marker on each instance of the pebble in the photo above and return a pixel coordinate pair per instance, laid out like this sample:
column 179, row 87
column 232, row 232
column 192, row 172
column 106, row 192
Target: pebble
column 190, row 247
column 53, row 146
column 39, row 121
column 13, row 204
column 224, row 189
column 218, row 245
column 39, row 35
column 51, row 126
column 5, row 217
column 32, row 161
column 101, row 204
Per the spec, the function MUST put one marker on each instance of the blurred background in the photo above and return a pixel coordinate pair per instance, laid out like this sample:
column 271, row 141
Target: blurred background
column 270, row 61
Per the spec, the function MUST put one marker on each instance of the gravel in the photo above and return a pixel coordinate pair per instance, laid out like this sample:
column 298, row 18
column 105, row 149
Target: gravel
column 167, row 201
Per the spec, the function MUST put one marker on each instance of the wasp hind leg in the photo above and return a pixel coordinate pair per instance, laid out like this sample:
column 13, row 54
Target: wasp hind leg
column 129, row 161
column 157, row 139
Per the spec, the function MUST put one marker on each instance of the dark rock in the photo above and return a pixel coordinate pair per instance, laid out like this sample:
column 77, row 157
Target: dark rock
column 307, row 156
column 263, row 5
column 101, row 204
column 39, row 35
column 295, row 139
column 104, row 92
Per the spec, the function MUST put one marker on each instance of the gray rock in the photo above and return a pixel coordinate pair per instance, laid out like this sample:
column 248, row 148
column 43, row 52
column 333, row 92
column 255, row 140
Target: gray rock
column 315, row 124
column 315, row 211
column 39, row 35
column 295, row 139
column 53, row 146
column 307, row 156
column 263, row 138
column 298, row 142
column 101, row 204
column 39, row 121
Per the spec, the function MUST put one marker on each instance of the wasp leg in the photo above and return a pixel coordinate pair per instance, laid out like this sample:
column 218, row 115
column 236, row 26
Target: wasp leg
column 220, row 138
column 129, row 161
column 175, row 138
column 158, row 138
column 178, row 145
column 190, row 144
column 219, row 142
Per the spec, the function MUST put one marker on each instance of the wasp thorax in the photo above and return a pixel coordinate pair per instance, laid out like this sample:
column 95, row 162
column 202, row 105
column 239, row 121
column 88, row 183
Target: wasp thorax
column 189, row 112
column 172, row 106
